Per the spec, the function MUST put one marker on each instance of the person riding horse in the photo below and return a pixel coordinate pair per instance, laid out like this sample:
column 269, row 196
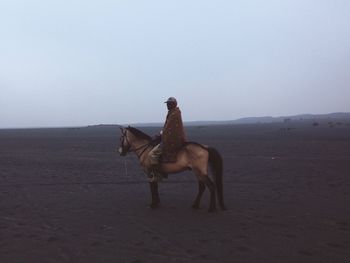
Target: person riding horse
column 190, row 156
column 171, row 138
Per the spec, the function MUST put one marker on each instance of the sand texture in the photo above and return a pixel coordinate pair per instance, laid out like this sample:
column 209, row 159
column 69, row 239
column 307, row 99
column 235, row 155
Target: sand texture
column 67, row 196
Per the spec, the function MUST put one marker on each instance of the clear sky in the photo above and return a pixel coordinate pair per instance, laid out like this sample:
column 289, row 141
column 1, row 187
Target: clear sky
column 81, row 62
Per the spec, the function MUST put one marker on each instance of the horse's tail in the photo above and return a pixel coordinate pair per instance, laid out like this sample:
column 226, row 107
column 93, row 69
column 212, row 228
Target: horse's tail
column 216, row 163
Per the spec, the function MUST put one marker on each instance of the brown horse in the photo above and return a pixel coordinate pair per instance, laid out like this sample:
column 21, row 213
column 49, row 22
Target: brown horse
column 192, row 156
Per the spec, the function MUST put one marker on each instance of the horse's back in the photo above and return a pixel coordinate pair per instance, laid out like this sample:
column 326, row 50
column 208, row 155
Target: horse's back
column 195, row 145
column 195, row 150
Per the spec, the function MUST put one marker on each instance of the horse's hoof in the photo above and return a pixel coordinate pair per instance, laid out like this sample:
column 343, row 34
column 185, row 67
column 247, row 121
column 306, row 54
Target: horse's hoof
column 154, row 205
column 194, row 206
column 211, row 210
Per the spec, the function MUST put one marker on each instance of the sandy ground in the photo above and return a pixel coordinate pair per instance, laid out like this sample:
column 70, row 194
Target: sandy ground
column 67, row 196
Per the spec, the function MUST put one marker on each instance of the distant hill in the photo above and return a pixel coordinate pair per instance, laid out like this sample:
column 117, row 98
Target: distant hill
column 264, row 119
column 268, row 119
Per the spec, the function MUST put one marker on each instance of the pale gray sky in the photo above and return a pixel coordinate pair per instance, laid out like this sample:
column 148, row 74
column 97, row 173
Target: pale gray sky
column 69, row 63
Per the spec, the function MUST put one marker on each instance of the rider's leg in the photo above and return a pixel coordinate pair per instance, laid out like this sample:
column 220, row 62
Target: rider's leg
column 154, row 155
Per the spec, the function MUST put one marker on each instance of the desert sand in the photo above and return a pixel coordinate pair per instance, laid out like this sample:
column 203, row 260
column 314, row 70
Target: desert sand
column 67, row 196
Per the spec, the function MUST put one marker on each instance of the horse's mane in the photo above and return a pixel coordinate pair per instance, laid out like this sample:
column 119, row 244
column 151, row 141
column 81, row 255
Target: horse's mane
column 138, row 133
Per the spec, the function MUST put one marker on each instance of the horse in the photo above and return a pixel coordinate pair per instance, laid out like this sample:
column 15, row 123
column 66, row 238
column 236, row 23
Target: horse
column 191, row 156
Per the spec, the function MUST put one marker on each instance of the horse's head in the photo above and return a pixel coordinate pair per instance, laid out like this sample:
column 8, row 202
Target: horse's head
column 132, row 139
column 125, row 144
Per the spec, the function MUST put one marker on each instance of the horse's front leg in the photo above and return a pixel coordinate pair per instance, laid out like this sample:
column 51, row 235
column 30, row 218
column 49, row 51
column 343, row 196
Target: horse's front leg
column 155, row 195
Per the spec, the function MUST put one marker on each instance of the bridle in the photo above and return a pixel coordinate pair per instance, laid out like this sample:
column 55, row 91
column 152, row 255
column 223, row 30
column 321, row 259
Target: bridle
column 125, row 137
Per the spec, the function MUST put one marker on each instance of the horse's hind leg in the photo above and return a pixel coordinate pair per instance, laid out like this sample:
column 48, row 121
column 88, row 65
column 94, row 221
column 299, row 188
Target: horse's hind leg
column 155, row 195
column 209, row 183
column 201, row 188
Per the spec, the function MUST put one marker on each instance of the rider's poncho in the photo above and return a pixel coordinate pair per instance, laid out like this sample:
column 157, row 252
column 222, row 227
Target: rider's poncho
column 173, row 136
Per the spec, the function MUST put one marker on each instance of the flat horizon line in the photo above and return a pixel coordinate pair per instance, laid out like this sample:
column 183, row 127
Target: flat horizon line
column 149, row 124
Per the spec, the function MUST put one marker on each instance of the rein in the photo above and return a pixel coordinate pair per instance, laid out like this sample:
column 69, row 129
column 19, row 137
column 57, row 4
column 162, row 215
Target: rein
column 145, row 146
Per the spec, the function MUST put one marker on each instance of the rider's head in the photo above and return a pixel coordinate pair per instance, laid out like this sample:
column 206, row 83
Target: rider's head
column 171, row 103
